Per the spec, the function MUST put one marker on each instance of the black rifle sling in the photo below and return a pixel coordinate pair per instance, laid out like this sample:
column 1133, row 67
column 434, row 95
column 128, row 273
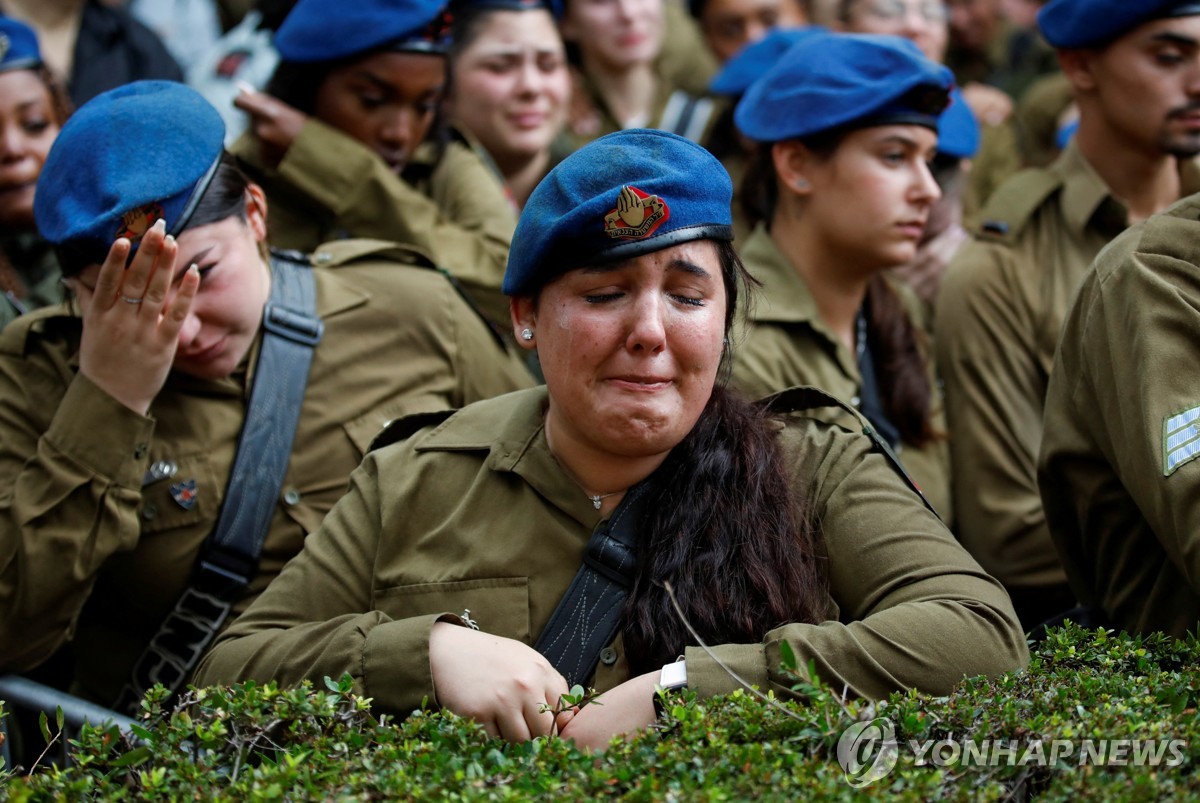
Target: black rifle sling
column 229, row 558
column 589, row 614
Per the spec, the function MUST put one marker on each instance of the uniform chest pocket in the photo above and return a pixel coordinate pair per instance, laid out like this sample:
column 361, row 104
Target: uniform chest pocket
column 179, row 492
column 497, row 605
column 362, row 430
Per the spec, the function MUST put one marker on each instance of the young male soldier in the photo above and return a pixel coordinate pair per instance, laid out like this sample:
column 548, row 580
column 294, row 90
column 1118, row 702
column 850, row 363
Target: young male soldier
column 1118, row 471
column 1135, row 72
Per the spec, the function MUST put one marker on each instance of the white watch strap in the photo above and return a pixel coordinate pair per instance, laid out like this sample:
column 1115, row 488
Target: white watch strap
column 673, row 676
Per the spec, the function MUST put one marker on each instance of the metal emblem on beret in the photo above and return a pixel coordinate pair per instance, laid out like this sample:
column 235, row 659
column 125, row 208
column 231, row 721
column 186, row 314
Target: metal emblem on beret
column 5, row 44
column 136, row 222
column 184, row 493
column 637, row 214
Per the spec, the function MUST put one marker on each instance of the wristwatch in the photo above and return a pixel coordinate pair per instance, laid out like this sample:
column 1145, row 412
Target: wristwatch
column 671, row 679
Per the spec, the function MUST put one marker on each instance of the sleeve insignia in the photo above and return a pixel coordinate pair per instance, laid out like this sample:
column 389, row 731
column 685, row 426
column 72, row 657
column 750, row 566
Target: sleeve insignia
column 637, row 215
column 1181, row 439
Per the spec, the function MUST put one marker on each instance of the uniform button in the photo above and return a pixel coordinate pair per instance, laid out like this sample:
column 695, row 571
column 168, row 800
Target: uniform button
column 608, row 656
column 140, row 450
column 855, row 400
column 149, row 511
column 291, row 497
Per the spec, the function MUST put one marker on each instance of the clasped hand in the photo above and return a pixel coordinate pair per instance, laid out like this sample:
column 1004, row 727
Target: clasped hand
column 512, row 690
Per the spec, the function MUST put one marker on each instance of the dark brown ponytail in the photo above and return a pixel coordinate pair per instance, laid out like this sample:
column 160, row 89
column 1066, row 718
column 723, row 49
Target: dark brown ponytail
column 898, row 348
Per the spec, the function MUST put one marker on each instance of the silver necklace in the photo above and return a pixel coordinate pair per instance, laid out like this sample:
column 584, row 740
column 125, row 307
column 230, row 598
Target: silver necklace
column 599, row 497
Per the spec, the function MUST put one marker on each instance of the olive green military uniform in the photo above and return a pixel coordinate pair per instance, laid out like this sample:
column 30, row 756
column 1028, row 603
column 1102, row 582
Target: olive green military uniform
column 999, row 313
column 35, row 264
column 95, row 550
column 1118, row 468
column 501, row 533
column 330, row 187
column 785, row 343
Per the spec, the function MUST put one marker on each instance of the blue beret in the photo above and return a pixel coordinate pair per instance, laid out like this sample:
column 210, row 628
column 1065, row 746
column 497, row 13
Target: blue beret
column 835, row 80
column 127, row 157
column 324, row 30
column 18, row 46
column 617, row 197
column 958, row 130
column 1091, row 23
column 749, row 63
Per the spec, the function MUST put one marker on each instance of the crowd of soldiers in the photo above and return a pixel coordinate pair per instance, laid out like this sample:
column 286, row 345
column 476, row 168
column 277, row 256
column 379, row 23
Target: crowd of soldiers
column 966, row 223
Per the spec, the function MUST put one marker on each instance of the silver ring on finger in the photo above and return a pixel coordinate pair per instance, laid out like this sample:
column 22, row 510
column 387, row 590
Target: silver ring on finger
column 132, row 300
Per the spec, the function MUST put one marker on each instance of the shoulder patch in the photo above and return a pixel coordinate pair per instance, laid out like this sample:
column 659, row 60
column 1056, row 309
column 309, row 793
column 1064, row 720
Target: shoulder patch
column 1181, row 439
column 1014, row 202
column 405, row 427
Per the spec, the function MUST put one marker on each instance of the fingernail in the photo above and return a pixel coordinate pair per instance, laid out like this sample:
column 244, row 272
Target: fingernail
column 245, row 88
column 160, row 224
column 194, row 268
column 170, row 238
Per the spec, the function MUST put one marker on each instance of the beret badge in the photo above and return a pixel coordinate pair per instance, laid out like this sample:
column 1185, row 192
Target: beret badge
column 637, row 214
column 136, row 222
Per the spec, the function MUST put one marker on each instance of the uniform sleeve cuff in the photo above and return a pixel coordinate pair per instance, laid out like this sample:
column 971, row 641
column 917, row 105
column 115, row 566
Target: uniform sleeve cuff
column 708, row 678
column 396, row 671
column 101, row 434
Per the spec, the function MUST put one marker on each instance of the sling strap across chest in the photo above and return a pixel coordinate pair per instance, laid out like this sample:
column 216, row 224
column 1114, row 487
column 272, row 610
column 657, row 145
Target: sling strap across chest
column 228, row 559
column 588, row 616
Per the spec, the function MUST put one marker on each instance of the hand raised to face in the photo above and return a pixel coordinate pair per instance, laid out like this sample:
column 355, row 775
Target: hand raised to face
column 132, row 318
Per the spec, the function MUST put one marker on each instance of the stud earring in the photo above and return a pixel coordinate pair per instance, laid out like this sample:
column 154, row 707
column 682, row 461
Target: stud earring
column 527, row 334
column 800, row 185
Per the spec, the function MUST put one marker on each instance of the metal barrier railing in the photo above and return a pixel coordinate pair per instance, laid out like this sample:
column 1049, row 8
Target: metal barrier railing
column 22, row 694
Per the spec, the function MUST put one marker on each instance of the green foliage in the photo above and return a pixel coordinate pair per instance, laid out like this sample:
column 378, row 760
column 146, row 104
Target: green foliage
column 260, row 742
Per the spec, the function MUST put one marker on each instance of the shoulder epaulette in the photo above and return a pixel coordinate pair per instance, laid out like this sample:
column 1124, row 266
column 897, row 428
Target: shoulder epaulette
column 403, row 428
column 803, row 398
column 1014, row 202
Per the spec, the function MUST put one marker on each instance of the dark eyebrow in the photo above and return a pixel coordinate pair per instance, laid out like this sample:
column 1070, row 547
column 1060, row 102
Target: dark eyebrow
column 689, row 267
column 195, row 260
column 675, row 264
column 391, row 89
column 1170, row 37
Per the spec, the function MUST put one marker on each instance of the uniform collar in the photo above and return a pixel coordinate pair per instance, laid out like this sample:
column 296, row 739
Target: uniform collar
column 511, row 430
column 1087, row 200
column 1084, row 194
column 784, row 297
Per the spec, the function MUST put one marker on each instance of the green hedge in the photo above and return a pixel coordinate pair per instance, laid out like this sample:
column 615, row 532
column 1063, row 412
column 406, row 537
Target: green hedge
column 260, row 742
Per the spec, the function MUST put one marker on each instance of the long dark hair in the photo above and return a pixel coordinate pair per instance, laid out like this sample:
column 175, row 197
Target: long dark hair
column 728, row 530
column 897, row 345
